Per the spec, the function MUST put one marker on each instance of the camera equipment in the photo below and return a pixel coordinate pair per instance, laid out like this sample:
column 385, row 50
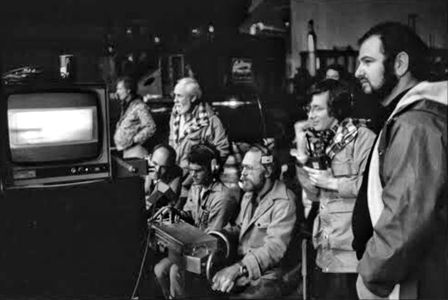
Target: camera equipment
column 201, row 253
column 317, row 143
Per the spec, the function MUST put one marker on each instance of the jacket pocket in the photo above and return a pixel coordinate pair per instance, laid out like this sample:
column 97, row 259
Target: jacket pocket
column 258, row 234
column 340, row 235
column 344, row 168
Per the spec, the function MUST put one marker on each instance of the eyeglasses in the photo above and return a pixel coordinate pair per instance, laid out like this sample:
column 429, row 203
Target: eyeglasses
column 309, row 109
column 249, row 168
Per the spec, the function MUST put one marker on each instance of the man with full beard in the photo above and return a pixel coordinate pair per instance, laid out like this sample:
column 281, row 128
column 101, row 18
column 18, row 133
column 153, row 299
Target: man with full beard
column 263, row 229
column 400, row 220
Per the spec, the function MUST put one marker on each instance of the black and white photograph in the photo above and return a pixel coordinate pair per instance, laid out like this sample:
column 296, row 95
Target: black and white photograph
column 223, row 149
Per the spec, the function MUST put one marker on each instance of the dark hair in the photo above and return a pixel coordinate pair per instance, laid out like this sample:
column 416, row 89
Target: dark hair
column 340, row 69
column 128, row 83
column 202, row 154
column 340, row 100
column 171, row 160
column 395, row 38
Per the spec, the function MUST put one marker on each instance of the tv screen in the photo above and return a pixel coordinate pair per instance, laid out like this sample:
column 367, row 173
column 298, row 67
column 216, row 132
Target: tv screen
column 53, row 127
column 54, row 133
column 37, row 127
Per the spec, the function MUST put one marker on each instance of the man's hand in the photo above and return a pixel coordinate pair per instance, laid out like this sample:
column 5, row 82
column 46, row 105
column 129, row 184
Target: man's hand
column 322, row 178
column 224, row 280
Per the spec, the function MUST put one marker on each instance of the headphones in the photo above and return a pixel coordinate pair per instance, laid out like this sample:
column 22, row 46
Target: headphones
column 214, row 166
column 267, row 157
column 266, row 154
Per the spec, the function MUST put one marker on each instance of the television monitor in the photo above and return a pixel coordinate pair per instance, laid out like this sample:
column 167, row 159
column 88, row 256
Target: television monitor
column 54, row 134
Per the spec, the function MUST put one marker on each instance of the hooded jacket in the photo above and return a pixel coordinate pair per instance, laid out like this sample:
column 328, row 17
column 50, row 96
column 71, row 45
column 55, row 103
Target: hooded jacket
column 407, row 256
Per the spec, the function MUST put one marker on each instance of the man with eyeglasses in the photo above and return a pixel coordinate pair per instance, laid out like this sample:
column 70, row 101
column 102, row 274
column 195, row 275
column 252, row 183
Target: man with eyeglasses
column 263, row 229
column 332, row 151
column 210, row 206
column 163, row 182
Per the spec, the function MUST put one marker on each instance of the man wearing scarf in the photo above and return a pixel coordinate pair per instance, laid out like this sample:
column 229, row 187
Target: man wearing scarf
column 193, row 122
column 400, row 221
column 331, row 154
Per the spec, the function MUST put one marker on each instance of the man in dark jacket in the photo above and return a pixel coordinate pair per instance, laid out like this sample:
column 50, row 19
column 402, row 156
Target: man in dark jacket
column 400, row 220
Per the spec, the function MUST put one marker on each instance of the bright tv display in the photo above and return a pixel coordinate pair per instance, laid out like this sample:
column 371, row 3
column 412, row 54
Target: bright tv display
column 54, row 134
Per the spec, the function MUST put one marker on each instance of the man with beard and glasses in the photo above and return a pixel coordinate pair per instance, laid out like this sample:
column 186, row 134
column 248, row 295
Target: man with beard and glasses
column 400, row 220
column 344, row 145
column 263, row 229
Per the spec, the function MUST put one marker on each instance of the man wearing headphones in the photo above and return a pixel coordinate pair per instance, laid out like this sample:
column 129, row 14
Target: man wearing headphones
column 263, row 228
column 210, row 206
column 163, row 182
column 332, row 151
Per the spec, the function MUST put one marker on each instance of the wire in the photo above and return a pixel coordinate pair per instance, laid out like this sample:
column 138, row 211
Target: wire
column 263, row 118
column 142, row 264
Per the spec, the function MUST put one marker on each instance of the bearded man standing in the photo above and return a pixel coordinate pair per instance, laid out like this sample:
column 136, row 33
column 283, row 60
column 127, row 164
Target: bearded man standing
column 400, row 220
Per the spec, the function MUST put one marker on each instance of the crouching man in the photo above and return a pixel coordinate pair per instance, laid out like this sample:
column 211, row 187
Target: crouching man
column 163, row 183
column 264, row 228
column 210, row 206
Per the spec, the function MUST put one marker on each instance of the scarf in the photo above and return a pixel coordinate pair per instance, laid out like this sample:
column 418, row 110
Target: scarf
column 196, row 123
column 345, row 133
column 318, row 141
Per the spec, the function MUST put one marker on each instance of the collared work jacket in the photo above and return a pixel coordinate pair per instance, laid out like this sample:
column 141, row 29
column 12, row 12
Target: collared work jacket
column 264, row 237
column 332, row 231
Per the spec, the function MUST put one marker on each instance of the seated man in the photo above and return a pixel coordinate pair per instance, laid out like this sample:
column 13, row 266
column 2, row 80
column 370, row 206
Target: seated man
column 163, row 182
column 264, row 228
column 210, row 206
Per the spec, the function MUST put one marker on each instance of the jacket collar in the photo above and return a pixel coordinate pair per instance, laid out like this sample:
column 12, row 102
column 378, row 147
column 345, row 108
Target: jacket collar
column 278, row 191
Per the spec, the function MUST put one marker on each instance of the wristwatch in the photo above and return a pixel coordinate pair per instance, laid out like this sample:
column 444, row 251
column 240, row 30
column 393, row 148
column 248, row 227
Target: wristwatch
column 243, row 269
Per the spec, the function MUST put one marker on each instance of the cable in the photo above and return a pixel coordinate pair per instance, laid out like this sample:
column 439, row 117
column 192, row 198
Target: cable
column 263, row 118
column 142, row 264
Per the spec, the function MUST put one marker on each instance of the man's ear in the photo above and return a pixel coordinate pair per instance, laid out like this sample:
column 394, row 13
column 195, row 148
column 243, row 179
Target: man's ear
column 193, row 99
column 269, row 170
column 401, row 64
